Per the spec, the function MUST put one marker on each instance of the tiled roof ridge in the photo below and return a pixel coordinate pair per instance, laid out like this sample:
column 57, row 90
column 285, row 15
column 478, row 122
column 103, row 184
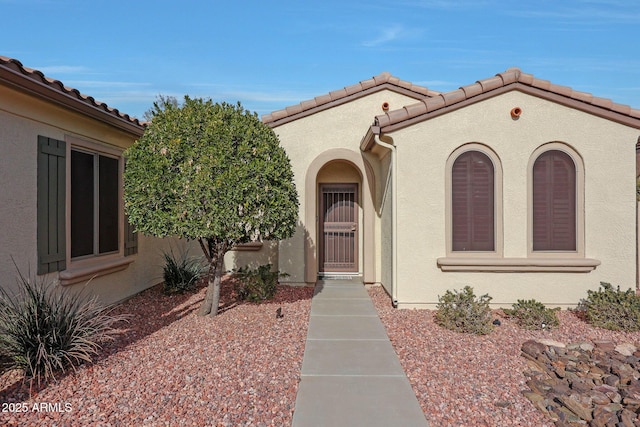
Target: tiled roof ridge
column 37, row 76
column 340, row 94
column 510, row 76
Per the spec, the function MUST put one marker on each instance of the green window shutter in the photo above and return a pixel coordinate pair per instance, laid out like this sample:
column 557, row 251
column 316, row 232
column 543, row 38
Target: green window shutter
column 51, row 198
column 130, row 238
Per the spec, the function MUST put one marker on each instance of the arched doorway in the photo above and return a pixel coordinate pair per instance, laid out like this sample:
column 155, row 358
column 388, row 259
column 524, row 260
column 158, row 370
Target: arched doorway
column 339, row 219
column 334, row 166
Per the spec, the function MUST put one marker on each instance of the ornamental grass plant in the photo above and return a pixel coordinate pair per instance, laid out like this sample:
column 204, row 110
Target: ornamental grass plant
column 45, row 329
column 180, row 272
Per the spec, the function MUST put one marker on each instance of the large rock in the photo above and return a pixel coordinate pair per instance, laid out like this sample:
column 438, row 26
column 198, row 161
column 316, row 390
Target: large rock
column 584, row 384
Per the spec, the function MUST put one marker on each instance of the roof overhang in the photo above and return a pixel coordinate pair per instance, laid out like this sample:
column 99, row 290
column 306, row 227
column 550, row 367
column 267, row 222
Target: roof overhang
column 384, row 81
column 34, row 83
column 438, row 106
column 368, row 141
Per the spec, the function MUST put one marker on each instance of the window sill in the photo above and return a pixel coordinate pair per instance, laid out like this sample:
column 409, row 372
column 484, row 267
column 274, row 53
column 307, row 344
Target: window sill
column 253, row 246
column 571, row 265
column 84, row 273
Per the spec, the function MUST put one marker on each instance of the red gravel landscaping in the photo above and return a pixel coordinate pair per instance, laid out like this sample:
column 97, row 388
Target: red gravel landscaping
column 171, row 367
column 470, row 380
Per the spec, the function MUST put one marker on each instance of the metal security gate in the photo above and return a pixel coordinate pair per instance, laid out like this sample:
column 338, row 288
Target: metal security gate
column 339, row 228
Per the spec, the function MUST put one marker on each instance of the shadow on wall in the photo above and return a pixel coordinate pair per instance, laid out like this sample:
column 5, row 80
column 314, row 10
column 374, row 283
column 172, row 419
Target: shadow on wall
column 265, row 254
column 299, row 248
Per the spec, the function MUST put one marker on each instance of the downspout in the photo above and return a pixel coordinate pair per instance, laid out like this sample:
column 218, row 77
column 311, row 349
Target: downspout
column 394, row 217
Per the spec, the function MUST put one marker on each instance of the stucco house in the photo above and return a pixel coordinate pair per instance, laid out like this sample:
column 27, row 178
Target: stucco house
column 61, row 200
column 513, row 185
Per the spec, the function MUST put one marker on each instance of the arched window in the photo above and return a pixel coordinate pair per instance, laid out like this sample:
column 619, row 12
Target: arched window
column 554, row 202
column 472, row 203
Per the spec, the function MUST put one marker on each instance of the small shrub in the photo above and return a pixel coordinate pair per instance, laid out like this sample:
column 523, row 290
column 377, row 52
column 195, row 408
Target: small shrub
column 611, row 308
column 257, row 284
column 464, row 312
column 533, row 315
column 181, row 273
column 44, row 330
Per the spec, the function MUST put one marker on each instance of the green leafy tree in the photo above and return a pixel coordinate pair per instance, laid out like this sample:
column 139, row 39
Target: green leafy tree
column 160, row 104
column 213, row 173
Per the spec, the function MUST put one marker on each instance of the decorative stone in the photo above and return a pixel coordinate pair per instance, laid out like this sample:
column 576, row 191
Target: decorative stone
column 586, row 346
column 551, row 343
column 580, row 384
column 605, row 345
column 626, row 349
column 584, row 412
column 628, row 418
column 502, row 403
column 604, row 417
column 533, row 348
column 625, row 372
column 598, row 398
column 612, row 380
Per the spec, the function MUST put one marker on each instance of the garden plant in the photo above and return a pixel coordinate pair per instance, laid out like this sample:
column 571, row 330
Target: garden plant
column 213, row 173
column 45, row 329
column 611, row 308
column 533, row 315
column 257, row 284
column 180, row 272
column 462, row 311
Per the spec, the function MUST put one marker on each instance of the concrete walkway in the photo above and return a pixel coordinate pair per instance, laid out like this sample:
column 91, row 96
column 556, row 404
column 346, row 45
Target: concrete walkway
column 351, row 376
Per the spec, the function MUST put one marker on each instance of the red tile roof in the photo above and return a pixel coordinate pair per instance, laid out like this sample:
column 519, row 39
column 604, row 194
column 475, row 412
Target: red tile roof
column 349, row 93
column 511, row 79
column 13, row 73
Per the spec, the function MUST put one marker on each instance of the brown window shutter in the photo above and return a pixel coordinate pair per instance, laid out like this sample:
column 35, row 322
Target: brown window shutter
column 472, row 203
column 51, row 187
column 554, row 202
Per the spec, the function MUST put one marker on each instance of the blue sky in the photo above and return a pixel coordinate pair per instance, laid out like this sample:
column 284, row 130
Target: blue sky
column 272, row 54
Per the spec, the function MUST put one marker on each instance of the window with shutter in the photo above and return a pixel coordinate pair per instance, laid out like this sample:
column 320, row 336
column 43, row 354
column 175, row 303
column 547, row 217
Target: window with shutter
column 554, row 202
column 472, row 203
column 51, row 185
column 94, row 203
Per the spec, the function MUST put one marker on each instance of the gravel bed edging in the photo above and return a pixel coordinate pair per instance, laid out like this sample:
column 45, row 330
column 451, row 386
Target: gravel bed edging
column 584, row 383
column 172, row 367
column 471, row 380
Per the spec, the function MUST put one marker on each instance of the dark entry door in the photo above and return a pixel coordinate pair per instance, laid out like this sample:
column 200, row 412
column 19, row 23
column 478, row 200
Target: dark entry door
column 339, row 228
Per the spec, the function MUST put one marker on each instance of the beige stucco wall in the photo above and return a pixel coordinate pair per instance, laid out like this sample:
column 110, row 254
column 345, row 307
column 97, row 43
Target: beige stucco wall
column 305, row 140
column 607, row 150
column 267, row 254
column 22, row 119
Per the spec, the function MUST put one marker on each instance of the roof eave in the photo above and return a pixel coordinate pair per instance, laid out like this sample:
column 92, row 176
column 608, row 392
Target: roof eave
column 347, row 94
column 368, row 140
column 30, row 86
column 341, row 101
column 588, row 107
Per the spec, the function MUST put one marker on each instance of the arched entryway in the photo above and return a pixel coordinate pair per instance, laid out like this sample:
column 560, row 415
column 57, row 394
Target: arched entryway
column 339, row 216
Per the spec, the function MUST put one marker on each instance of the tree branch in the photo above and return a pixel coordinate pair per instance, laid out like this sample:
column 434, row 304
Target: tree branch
column 207, row 254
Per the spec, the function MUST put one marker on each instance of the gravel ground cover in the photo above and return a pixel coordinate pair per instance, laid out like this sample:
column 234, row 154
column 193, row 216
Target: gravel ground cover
column 469, row 380
column 170, row 367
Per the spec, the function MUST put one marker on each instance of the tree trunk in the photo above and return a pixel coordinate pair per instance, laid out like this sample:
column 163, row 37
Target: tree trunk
column 216, row 264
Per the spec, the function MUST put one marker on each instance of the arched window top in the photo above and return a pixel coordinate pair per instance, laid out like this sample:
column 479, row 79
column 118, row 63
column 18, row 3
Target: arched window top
column 561, row 149
column 472, row 203
column 474, row 179
column 556, row 200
